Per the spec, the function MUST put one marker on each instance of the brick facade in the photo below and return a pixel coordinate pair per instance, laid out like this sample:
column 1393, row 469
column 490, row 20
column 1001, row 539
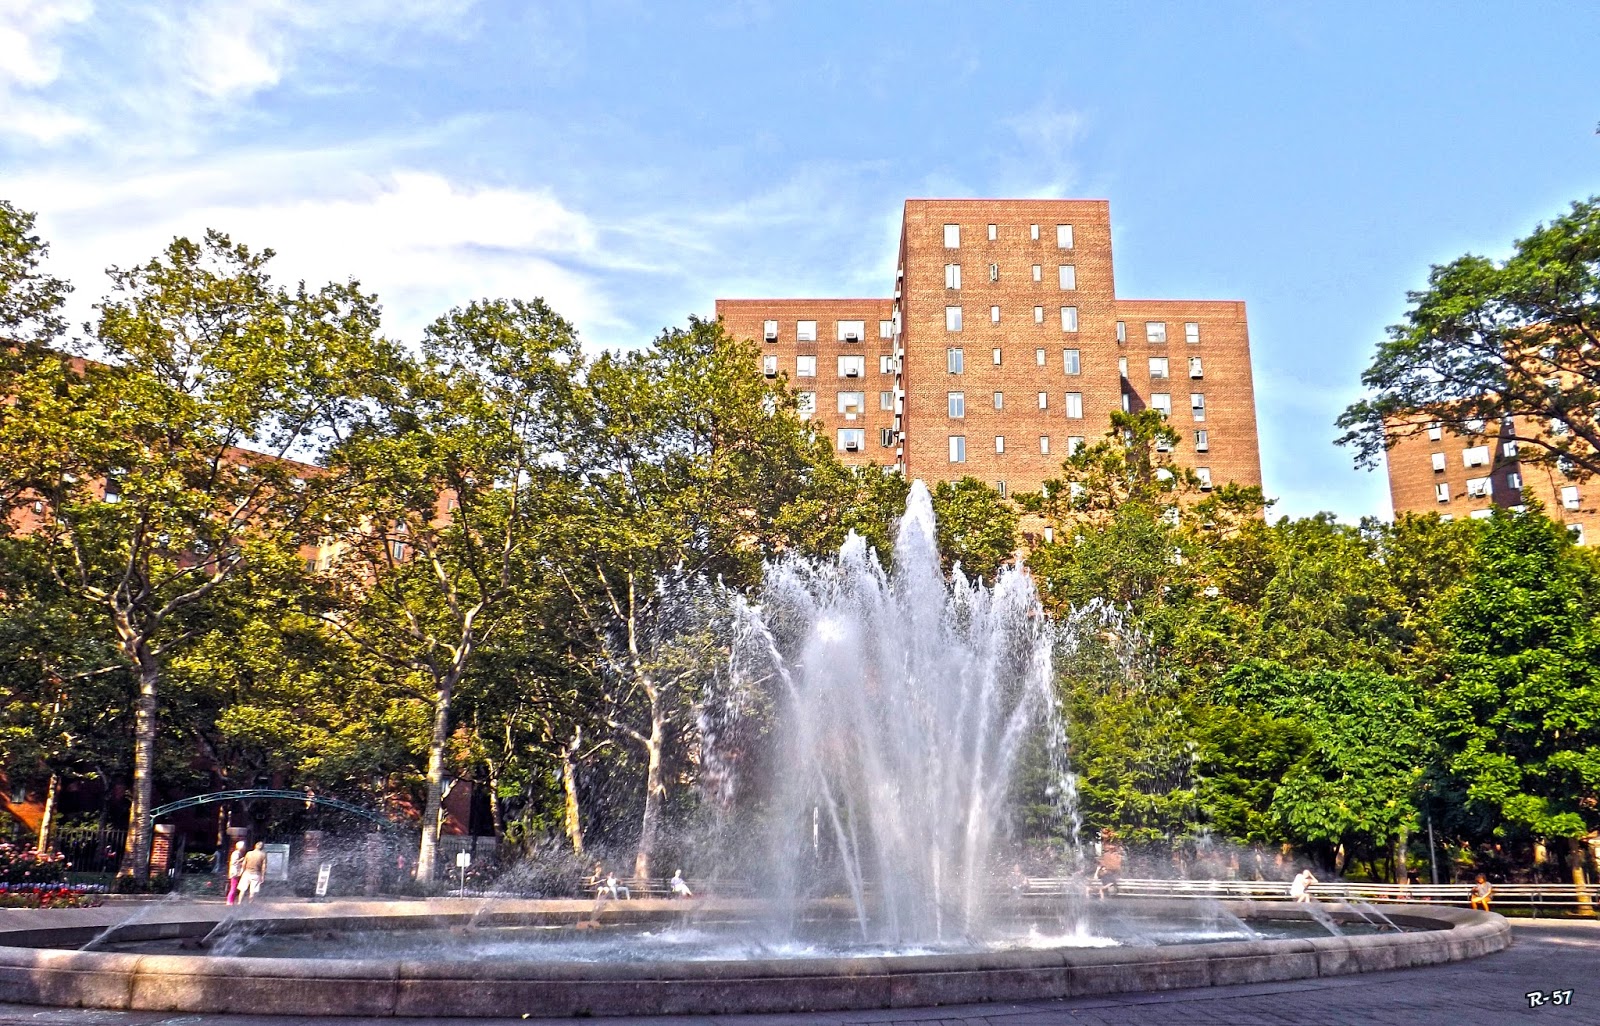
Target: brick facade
column 1003, row 339
column 1438, row 469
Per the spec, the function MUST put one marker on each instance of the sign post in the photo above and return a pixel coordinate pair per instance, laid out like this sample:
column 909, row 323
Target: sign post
column 463, row 860
column 324, row 874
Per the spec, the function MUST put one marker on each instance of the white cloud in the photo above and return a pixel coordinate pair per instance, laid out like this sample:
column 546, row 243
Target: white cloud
column 30, row 60
column 1046, row 136
column 423, row 242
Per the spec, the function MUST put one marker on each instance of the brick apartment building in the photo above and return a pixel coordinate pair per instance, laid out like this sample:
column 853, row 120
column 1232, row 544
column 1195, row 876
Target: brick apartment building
column 1004, row 346
column 1437, row 468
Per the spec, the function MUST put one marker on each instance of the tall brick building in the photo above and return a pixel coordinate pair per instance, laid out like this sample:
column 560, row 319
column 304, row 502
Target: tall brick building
column 1004, row 346
column 1467, row 471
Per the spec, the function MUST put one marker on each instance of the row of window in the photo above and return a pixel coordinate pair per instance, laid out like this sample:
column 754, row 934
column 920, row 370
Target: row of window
column 1160, row 367
column 846, row 331
column 952, row 235
column 1066, row 275
column 1069, row 317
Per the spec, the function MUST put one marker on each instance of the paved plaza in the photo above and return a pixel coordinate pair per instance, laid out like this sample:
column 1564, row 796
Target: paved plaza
column 1548, row 956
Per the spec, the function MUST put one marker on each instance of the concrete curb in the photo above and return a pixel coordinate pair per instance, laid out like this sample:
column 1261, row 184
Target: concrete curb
column 32, row 972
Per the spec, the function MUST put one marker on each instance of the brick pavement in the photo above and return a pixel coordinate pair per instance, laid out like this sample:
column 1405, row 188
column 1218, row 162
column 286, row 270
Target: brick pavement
column 1547, row 955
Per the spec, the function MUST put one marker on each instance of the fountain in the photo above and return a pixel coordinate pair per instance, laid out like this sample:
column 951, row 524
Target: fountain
column 902, row 705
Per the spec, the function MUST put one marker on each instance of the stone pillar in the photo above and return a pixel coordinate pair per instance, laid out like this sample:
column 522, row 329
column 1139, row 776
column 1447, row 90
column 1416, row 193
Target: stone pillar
column 161, row 849
column 311, row 847
column 375, row 852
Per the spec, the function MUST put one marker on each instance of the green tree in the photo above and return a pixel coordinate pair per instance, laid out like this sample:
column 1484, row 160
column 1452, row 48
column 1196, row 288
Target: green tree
column 447, row 492
column 977, row 527
column 1518, row 715
column 30, row 300
column 688, row 459
column 1485, row 340
column 153, row 474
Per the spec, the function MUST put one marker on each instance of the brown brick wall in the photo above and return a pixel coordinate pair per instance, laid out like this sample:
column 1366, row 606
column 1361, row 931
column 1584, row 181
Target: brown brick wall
column 921, row 295
column 744, row 319
column 1413, row 479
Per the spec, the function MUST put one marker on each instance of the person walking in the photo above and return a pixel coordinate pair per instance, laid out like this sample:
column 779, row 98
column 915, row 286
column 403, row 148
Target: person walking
column 255, row 873
column 235, row 870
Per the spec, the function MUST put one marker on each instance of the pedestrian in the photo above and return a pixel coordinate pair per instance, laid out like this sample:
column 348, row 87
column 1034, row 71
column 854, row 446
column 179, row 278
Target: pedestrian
column 255, row 873
column 235, row 870
column 1482, row 893
column 1300, row 889
column 680, row 888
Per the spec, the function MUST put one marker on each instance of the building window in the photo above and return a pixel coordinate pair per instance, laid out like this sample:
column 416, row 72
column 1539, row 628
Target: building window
column 805, row 331
column 958, row 403
column 1069, row 318
column 1071, row 362
column 1202, row 441
column 1195, row 370
column 1197, row 406
column 1122, row 366
column 885, row 400
column 1481, row 514
column 1127, row 403
column 852, row 366
column 1038, row 315
column 1441, row 492
column 1475, row 456
column 1044, row 444
column 1569, row 496
column 1049, row 536
column 1564, row 465
column 1438, row 463
column 1514, row 481
column 852, row 439
column 954, row 361
column 1474, row 425
column 1075, row 405
column 1477, row 488
column 1000, row 486
column 952, row 276
column 1163, row 444
column 1435, row 431
column 1158, row 367
column 952, row 236
column 769, row 330
column 886, row 329
column 1033, row 232
column 1063, row 236
column 1576, row 530
column 1161, row 402
column 995, row 353
column 994, row 315
column 1445, row 518
column 958, row 448
column 805, row 366
column 769, row 366
column 1155, row 331
column 999, row 400
column 885, row 365
column 1038, row 272
column 994, row 272
column 1204, row 474
column 1068, row 276
column 1122, row 331
column 1038, row 357
column 886, row 437
column 1191, row 332
column 805, row 403
column 1558, row 426
column 1508, row 449
column 994, row 232
column 1044, row 400
column 952, row 318
column 999, row 443
column 852, row 402
column 852, row 331
column 1074, row 443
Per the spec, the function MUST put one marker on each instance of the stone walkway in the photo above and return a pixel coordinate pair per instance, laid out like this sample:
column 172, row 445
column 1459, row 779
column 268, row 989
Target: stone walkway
column 1549, row 955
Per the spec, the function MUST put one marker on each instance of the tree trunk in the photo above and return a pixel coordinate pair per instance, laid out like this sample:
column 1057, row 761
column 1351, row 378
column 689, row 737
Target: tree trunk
column 573, row 820
column 497, row 821
column 1579, row 880
column 427, row 854
column 1401, row 872
column 47, row 822
column 655, row 791
column 136, row 850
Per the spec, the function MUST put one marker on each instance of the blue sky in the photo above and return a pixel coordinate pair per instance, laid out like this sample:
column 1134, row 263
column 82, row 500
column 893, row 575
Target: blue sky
column 633, row 161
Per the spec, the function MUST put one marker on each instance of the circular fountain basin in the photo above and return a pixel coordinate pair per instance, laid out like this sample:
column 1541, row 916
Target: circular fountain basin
column 487, row 961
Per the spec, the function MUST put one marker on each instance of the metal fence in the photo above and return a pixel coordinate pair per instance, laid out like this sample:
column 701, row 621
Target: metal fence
column 1536, row 896
column 91, row 849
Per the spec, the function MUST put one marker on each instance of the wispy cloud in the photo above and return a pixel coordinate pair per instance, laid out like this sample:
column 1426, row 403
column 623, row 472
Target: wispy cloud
column 30, row 61
column 1040, row 160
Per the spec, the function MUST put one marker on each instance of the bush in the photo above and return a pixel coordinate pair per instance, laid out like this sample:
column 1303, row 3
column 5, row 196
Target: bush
column 22, row 865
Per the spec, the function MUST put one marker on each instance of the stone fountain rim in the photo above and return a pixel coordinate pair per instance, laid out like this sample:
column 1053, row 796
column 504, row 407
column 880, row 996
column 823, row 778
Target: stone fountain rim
column 31, row 973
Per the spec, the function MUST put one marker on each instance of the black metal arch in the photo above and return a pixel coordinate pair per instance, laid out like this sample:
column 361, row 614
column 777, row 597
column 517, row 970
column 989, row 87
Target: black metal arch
column 273, row 793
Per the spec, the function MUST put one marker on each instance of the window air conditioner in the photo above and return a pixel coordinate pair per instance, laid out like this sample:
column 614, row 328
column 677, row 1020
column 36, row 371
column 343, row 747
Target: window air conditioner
column 852, row 445
column 852, row 372
column 851, row 336
column 772, row 336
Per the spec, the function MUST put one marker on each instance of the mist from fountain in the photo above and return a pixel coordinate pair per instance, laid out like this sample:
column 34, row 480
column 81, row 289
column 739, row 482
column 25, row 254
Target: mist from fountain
column 902, row 704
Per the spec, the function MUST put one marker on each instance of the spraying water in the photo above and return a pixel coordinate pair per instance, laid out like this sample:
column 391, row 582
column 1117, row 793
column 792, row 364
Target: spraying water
column 902, row 704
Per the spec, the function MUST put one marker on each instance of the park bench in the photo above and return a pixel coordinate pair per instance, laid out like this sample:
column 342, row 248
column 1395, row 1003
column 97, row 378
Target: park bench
column 1564, row 897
